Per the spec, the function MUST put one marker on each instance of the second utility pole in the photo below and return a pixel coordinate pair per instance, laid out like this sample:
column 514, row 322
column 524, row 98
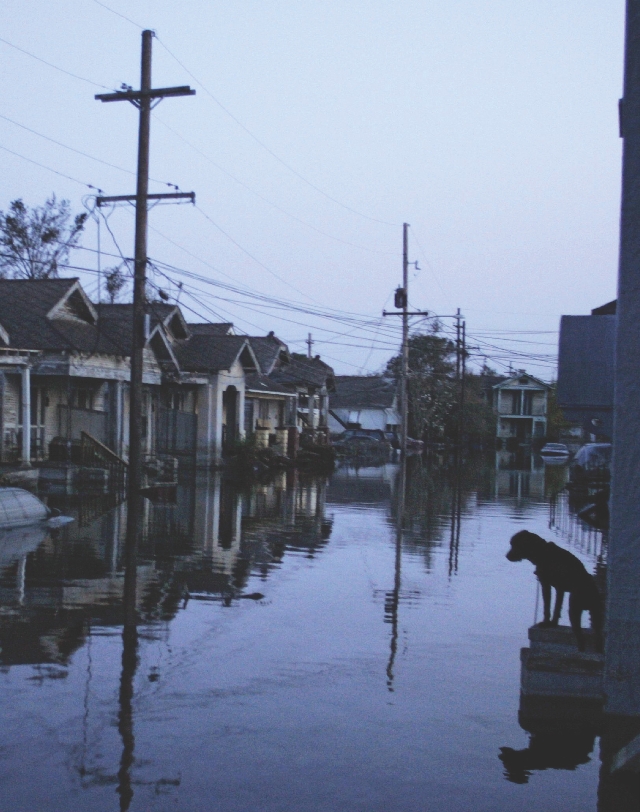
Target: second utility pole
column 404, row 386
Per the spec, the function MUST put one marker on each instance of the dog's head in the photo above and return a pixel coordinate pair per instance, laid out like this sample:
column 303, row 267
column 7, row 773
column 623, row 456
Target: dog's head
column 525, row 545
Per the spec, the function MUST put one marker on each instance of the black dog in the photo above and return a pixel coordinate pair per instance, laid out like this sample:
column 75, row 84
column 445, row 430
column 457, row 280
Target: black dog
column 561, row 569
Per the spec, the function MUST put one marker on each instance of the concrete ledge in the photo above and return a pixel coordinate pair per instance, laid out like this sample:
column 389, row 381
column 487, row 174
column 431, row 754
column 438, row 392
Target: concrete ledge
column 559, row 639
column 572, row 674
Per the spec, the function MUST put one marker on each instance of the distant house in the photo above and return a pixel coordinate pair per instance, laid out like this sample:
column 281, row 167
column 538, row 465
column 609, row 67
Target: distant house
column 520, row 402
column 270, row 407
column 312, row 381
column 585, row 371
column 364, row 402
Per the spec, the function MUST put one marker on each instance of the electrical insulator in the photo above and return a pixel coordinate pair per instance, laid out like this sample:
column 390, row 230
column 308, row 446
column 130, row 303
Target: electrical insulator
column 400, row 299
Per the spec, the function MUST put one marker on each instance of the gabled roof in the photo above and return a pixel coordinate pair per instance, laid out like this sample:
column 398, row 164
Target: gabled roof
column 518, row 380
column 268, row 350
column 213, row 329
column 256, row 382
column 211, row 353
column 301, row 371
column 51, row 315
column 363, row 392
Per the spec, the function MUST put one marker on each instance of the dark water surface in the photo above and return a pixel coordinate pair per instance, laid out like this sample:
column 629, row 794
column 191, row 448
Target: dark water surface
column 292, row 654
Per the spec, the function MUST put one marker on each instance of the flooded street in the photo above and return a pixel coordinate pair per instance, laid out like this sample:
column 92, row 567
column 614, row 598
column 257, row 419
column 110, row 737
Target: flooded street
column 297, row 650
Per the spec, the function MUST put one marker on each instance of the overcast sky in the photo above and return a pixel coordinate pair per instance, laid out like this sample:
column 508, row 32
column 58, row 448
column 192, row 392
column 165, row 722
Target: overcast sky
column 318, row 128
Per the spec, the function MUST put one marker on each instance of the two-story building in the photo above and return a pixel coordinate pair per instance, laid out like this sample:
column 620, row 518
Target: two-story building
column 520, row 402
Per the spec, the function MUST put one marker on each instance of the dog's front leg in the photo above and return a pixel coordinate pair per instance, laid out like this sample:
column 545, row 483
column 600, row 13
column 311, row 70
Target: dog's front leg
column 558, row 607
column 546, row 602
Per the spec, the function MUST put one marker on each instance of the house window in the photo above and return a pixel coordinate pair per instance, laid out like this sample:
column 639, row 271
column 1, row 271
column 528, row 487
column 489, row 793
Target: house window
column 83, row 398
column 515, row 402
column 174, row 401
column 527, row 403
column 263, row 409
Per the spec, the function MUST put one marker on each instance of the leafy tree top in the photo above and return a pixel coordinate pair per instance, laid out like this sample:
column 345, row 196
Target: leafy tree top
column 34, row 242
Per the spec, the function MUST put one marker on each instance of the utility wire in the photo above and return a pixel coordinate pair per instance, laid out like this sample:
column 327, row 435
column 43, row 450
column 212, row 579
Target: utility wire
column 265, row 147
column 266, row 200
column 118, row 14
column 55, row 171
column 55, row 67
column 80, row 152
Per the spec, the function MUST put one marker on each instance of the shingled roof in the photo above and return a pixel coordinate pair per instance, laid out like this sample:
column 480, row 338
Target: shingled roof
column 211, row 353
column 267, row 350
column 52, row 315
column 223, row 328
column 362, row 392
column 301, row 371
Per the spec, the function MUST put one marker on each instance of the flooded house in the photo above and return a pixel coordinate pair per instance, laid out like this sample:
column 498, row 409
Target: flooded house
column 271, row 407
column 313, row 382
column 520, row 402
column 65, row 370
column 364, row 402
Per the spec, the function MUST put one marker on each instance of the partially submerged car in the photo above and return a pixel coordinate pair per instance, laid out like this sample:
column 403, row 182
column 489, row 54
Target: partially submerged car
column 592, row 463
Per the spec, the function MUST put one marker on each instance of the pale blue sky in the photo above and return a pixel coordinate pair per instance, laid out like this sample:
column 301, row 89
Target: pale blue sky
column 489, row 125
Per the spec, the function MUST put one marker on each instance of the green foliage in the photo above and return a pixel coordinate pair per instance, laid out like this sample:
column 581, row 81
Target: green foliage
column 33, row 242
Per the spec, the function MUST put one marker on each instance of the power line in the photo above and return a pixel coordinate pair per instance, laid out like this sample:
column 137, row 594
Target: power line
column 270, row 202
column 265, row 147
column 80, row 152
column 118, row 14
column 55, row 67
column 49, row 169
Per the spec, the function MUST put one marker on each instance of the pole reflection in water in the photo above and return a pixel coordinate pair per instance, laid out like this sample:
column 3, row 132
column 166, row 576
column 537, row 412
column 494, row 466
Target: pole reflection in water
column 393, row 598
column 129, row 655
column 456, row 511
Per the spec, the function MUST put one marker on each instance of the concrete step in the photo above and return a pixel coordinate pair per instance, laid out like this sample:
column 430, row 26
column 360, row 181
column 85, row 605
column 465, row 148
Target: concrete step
column 570, row 673
column 559, row 639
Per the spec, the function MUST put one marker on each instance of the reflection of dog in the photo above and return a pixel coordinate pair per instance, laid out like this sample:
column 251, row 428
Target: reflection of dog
column 555, row 750
column 561, row 569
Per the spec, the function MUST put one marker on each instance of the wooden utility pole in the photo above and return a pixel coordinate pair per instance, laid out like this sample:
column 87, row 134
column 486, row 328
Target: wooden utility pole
column 402, row 303
column 405, row 338
column 309, row 345
column 143, row 100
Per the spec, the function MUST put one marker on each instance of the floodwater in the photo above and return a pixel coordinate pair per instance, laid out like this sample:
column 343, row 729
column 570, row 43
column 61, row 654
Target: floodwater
column 296, row 651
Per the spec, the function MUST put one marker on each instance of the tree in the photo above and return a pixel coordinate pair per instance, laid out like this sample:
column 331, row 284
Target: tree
column 114, row 281
column 432, row 387
column 33, row 242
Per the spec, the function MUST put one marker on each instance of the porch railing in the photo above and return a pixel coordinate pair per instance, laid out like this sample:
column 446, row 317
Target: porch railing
column 95, row 454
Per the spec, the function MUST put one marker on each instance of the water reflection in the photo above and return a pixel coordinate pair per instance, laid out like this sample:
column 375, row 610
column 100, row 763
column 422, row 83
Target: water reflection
column 375, row 582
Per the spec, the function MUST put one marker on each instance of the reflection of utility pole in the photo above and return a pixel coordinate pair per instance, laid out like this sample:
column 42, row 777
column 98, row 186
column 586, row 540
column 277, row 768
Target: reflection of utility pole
column 129, row 666
column 392, row 602
column 401, row 301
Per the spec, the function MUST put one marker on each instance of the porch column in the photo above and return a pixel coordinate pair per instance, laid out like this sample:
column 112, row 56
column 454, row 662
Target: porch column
column 240, row 406
column 118, row 409
column 26, row 416
column 205, row 426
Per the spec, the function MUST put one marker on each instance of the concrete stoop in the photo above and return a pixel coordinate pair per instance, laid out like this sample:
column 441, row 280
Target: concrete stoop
column 553, row 666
